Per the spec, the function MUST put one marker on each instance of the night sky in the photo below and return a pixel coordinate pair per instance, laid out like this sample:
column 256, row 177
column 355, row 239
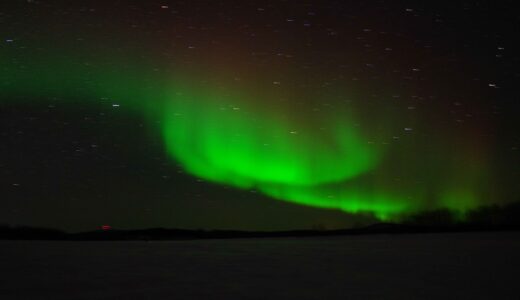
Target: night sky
column 256, row 115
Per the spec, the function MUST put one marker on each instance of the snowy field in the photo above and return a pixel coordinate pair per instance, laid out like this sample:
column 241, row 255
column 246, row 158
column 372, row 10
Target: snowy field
column 426, row 266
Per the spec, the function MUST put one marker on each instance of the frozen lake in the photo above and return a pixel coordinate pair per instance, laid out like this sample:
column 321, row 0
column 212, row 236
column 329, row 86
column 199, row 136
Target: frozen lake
column 422, row 266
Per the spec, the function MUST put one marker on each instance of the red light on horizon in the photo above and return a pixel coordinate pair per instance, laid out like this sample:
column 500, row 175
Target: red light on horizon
column 106, row 227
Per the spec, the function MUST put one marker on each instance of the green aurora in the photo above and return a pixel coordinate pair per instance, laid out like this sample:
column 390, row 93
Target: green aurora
column 220, row 138
column 228, row 138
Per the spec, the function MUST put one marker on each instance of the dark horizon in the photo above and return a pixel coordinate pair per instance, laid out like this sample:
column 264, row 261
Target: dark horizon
column 490, row 218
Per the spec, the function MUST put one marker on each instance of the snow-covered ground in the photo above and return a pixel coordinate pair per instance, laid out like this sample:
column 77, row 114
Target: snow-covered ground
column 425, row 266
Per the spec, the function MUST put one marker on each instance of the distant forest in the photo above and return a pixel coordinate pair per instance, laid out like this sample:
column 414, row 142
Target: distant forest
column 494, row 215
column 489, row 218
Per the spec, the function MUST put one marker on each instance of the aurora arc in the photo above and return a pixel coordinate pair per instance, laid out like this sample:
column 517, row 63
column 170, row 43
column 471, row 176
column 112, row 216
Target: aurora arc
column 217, row 140
column 224, row 138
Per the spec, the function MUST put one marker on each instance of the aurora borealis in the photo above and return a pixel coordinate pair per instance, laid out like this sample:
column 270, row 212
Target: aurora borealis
column 235, row 145
column 374, row 110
